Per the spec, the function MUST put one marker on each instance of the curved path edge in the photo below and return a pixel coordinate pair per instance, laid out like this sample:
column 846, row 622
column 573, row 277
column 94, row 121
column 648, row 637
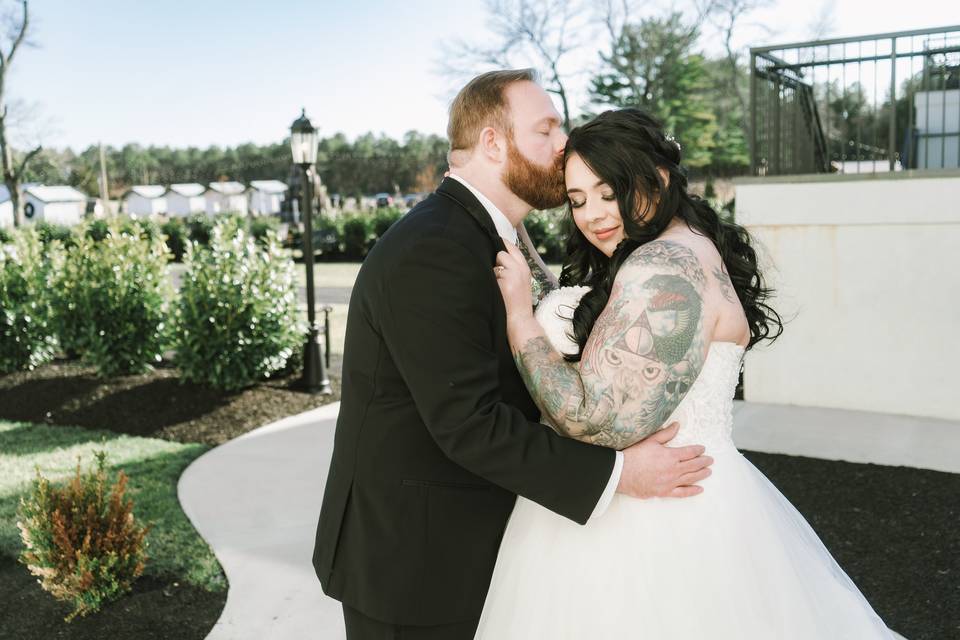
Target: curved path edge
column 256, row 501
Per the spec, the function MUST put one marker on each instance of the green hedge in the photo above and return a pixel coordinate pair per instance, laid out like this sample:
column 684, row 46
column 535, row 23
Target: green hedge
column 237, row 320
column 26, row 333
column 111, row 297
column 348, row 236
column 100, row 292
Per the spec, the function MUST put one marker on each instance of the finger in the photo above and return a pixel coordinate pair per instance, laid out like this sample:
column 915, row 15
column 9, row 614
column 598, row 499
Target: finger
column 689, row 479
column 514, row 250
column 691, row 466
column 503, row 259
column 666, row 435
column 517, row 255
column 688, row 452
column 684, row 492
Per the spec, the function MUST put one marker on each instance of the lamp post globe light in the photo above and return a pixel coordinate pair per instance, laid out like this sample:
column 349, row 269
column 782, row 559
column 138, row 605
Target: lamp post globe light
column 303, row 146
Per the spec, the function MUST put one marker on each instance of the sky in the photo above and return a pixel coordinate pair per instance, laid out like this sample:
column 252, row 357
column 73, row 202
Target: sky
column 224, row 72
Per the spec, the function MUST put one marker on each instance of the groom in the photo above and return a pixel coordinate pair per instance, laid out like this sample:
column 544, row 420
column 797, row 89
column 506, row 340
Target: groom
column 437, row 434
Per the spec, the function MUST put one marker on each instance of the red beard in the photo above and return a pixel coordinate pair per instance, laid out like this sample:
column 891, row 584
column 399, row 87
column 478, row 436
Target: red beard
column 540, row 187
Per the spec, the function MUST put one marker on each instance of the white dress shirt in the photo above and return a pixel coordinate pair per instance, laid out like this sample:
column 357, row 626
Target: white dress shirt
column 507, row 231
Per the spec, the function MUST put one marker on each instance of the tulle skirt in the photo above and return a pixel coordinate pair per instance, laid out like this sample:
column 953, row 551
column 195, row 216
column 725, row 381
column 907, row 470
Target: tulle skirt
column 737, row 562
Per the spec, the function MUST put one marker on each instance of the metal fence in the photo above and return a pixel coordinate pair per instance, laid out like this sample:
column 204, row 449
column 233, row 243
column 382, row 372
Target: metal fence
column 884, row 102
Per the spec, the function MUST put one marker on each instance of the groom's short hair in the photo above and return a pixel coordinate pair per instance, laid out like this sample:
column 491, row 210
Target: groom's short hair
column 480, row 104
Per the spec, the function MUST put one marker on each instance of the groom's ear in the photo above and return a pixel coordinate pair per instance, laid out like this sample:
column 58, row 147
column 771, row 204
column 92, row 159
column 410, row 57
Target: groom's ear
column 492, row 144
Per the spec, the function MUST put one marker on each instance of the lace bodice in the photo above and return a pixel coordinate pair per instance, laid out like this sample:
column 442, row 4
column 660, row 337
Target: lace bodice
column 705, row 414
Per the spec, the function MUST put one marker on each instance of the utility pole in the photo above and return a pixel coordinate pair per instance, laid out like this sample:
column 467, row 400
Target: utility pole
column 104, row 193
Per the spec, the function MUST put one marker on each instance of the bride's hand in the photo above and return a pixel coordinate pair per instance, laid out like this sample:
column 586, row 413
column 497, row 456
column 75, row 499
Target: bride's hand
column 513, row 277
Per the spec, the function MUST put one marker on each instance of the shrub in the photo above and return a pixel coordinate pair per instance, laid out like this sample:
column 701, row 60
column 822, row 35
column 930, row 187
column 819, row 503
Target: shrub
column 383, row 219
column 50, row 231
column 262, row 226
column 143, row 227
column 6, row 236
column 327, row 234
column 237, row 321
column 548, row 232
column 199, row 228
column 357, row 235
column 82, row 539
column 97, row 229
column 111, row 299
column 27, row 333
column 176, row 237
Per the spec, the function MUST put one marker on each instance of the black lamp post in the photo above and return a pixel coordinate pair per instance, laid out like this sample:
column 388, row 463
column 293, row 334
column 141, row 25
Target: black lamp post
column 303, row 144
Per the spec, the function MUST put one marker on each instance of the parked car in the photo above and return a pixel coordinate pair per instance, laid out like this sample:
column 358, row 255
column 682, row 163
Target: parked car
column 412, row 199
column 384, row 200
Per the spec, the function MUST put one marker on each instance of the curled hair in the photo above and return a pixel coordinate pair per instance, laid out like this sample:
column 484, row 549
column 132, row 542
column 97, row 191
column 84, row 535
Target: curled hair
column 625, row 148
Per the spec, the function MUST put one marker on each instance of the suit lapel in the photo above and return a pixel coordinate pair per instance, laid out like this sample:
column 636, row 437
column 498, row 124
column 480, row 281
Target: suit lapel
column 454, row 190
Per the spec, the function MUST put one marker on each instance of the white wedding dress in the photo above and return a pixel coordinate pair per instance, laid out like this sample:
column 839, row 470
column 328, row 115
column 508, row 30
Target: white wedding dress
column 737, row 562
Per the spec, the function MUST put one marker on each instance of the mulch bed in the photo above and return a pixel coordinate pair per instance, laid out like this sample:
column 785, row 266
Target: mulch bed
column 155, row 610
column 894, row 530
column 153, row 404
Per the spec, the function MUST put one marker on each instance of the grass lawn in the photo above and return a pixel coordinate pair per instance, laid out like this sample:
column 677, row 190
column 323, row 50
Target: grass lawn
column 153, row 466
column 182, row 585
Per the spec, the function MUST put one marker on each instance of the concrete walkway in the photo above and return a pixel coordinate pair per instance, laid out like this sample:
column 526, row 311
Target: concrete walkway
column 256, row 500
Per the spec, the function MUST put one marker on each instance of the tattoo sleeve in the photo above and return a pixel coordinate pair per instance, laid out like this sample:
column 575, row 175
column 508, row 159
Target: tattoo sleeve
column 646, row 349
column 726, row 286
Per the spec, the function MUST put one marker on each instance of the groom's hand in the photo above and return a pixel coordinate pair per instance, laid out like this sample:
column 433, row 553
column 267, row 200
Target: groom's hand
column 652, row 469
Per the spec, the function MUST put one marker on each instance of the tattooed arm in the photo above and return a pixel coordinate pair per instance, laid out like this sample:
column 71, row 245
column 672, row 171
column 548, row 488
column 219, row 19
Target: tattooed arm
column 644, row 352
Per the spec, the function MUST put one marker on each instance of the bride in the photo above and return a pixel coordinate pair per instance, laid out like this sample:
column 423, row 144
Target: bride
column 671, row 299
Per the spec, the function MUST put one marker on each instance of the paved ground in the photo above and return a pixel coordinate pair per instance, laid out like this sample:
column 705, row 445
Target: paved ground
column 256, row 500
column 324, row 295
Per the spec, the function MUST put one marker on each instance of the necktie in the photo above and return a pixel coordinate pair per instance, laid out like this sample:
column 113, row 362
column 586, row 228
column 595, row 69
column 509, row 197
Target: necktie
column 541, row 284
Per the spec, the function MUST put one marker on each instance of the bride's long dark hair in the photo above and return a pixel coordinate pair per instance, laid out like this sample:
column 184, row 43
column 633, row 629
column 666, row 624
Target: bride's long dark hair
column 624, row 148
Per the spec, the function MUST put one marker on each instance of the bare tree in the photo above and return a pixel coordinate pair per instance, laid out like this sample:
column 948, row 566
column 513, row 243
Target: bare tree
column 13, row 172
column 823, row 23
column 543, row 32
column 727, row 17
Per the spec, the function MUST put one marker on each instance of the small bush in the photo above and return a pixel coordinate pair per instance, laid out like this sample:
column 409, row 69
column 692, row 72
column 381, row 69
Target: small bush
column 82, row 539
column 383, row 219
column 146, row 228
column 176, row 237
column 548, row 232
column 6, row 236
column 357, row 235
column 97, row 229
column 111, row 299
column 199, row 228
column 50, row 231
column 237, row 321
column 27, row 331
column 262, row 226
column 327, row 234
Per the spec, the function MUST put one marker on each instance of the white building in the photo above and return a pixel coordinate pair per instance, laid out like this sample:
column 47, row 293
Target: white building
column 185, row 199
column 266, row 196
column 226, row 197
column 58, row 204
column 938, row 129
column 145, row 200
column 6, row 208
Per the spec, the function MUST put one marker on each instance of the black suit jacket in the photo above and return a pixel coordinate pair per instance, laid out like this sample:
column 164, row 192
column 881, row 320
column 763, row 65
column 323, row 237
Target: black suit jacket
column 436, row 433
